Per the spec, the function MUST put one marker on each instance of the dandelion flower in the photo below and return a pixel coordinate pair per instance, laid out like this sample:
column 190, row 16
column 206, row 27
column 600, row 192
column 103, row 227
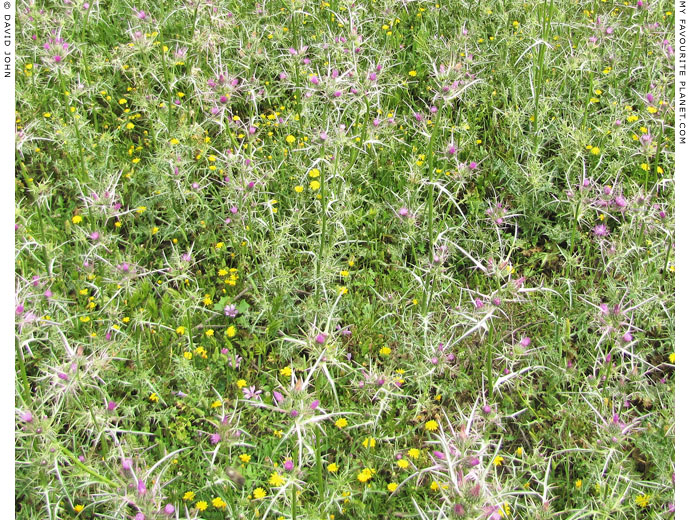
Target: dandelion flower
column 413, row 453
column 259, row 493
column 392, row 487
column 365, row 475
column 189, row 495
column 431, row 426
column 218, row 503
column 369, row 442
column 332, row 467
column 341, row 423
column 642, row 500
column 201, row 505
column 276, row 480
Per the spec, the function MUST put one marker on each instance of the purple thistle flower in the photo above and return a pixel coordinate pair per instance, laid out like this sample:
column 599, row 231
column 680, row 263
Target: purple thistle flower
column 169, row 509
column 141, row 487
column 320, row 339
column 289, row 465
column 278, row 396
column 600, row 230
column 230, row 311
column 26, row 416
column 251, row 393
column 215, row 438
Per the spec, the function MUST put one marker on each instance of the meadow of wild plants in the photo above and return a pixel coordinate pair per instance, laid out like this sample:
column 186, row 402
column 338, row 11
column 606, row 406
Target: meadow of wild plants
column 338, row 259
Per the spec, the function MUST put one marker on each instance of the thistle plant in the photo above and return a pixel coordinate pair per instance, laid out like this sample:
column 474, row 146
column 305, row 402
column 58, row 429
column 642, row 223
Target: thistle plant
column 344, row 260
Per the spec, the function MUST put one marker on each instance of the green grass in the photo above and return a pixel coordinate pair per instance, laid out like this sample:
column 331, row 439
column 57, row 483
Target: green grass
column 273, row 233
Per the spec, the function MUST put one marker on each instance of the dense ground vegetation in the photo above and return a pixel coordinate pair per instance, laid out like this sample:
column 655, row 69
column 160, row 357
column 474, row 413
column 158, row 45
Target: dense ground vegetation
column 364, row 259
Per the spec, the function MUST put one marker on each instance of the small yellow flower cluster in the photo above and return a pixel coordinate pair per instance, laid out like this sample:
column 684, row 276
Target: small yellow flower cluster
column 366, row 474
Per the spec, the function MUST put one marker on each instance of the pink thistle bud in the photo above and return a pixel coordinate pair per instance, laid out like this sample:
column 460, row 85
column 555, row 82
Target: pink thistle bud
column 320, row 339
column 169, row 509
column 141, row 487
column 525, row 341
column 289, row 465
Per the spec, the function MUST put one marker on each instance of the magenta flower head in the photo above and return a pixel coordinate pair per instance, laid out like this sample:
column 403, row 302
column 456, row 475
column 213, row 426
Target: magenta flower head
column 278, row 396
column 439, row 455
column 111, row 405
column 139, row 516
column 627, row 337
column 452, row 150
column 141, row 487
column 294, row 413
column 127, row 464
column 600, row 230
column 320, row 339
column 314, row 80
column 314, row 404
column 289, row 465
column 27, row 417
column 525, row 341
column 486, row 408
column 403, row 212
column 169, row 509
column 459, row 510
column 215, row 438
